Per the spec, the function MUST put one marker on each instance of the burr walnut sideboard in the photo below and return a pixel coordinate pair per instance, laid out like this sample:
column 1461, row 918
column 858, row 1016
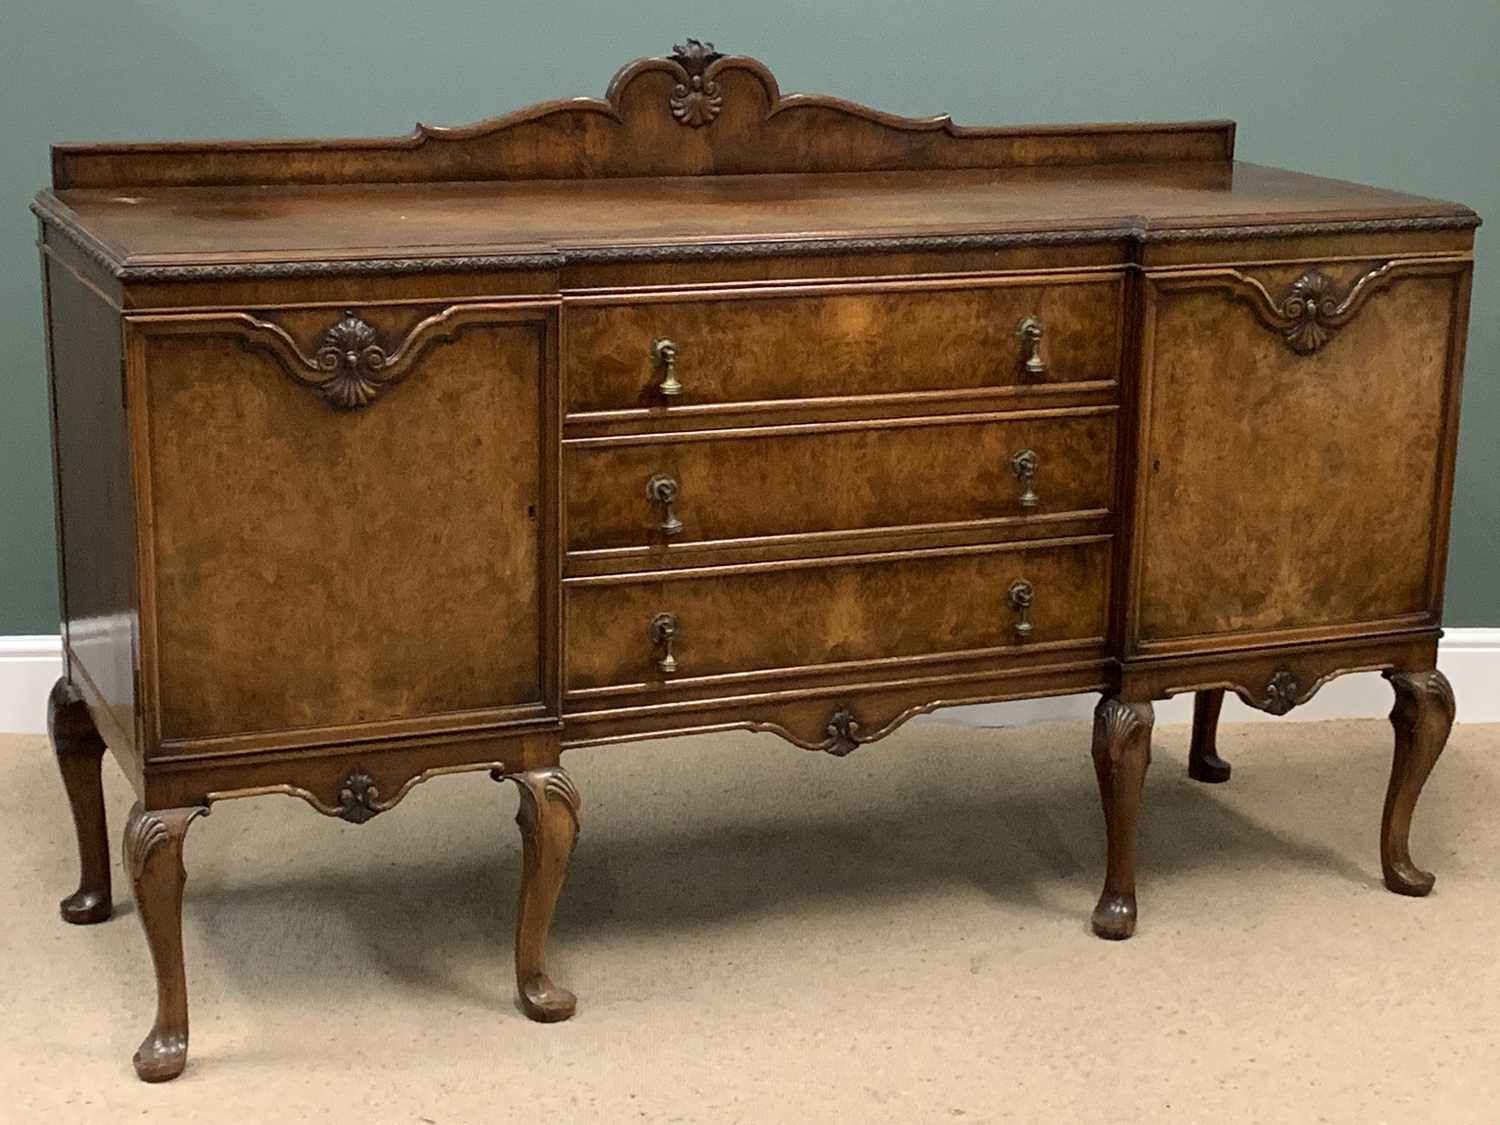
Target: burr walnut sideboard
column 704, row 407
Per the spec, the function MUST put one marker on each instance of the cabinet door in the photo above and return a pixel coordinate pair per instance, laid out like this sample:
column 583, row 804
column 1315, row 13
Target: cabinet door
column 1295, row 460
column 350, row 520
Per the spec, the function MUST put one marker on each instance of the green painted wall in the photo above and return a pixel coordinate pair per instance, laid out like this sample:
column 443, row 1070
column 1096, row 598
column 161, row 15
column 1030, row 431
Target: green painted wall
column 1386, row 91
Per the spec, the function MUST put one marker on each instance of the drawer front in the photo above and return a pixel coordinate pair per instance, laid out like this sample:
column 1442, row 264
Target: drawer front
column 790, row 480
column 749, row 347
column 804, row 615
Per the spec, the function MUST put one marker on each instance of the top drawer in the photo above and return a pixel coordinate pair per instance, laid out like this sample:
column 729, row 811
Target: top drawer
column 836, row 341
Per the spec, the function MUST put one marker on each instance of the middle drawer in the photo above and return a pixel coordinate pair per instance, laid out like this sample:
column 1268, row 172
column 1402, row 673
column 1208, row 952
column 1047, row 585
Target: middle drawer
column 725, row 485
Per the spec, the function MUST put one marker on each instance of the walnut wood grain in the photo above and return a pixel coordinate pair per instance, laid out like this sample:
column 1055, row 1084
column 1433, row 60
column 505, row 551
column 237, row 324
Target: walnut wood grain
column 1122, row 751
column 152, row 852
column 1421, row 718
column 1204, row 763
column 548, row 819
column 351, row 362
column 439, row 484
column 80, row 750
column 637, row 130
column 96, row 518
column 708, row 249
column 1313, row 307
column 1277, row 554
column 757, row 346
column 637, row 186
column 316, row 773
column 1249, row 669
column 956, row 415
column 911, row 472
column 834, row 611
column 795, row 703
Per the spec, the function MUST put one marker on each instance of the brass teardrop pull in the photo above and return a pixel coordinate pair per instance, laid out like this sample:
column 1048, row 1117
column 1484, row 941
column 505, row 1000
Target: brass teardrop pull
column 1029, row 332
column 663, row 637
column 1019, row 595
column 1023, row 467
column 664, row 355
column 661, row 490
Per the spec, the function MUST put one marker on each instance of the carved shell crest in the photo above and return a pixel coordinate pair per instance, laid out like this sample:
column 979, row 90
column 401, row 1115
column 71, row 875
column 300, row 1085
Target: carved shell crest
column 353, row 359
column 695, row 100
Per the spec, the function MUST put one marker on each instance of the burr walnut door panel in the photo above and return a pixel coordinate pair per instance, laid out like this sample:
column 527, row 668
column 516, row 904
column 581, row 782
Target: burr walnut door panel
column 806, row 480
column 995, row 601
column 349, row 519
column 847, row 341
column 1296, row 461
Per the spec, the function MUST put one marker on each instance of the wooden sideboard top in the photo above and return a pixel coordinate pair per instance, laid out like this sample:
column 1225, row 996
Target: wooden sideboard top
column 691, row 155
column 148, row 226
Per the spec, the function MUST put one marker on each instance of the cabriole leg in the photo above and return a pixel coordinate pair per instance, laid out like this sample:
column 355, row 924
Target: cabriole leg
column 1122, row 751
column 153, row 858
column 1422, row 717
column 548, row 817
column 79, row 751
column 1204, row 763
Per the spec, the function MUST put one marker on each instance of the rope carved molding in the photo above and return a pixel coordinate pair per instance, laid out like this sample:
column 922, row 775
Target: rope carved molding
column 713, row 250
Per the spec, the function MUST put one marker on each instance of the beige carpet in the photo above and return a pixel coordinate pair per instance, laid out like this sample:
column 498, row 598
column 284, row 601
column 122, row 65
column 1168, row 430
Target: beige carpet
column 759, row 934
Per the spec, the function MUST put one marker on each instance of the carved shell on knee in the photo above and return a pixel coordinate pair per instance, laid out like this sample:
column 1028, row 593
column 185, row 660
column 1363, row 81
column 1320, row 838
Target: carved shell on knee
column 1120, row 719
column 146, row 834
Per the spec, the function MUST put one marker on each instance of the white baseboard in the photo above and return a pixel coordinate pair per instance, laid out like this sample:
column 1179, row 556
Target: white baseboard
column 29, row 666
column 1469, row 657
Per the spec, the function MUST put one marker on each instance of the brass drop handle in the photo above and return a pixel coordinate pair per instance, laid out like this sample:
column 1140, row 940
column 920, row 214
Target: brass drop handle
column 663, row 636
column 1029, row 332
column 1019, row 595
column 662, row 490
column 1023, row 466
column 664, row 355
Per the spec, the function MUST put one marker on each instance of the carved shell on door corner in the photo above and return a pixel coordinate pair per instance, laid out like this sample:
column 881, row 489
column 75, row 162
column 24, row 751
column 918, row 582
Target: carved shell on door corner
column 353, row 359
column 1309, row 305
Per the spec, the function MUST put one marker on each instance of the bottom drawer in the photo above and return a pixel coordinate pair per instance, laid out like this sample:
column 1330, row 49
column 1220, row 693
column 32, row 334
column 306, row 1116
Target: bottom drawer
column 803, row 614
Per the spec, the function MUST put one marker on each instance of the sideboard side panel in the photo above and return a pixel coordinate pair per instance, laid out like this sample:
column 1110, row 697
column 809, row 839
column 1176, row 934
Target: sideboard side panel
column 1448, row 457
column 96, row 513
column 1286, row 494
